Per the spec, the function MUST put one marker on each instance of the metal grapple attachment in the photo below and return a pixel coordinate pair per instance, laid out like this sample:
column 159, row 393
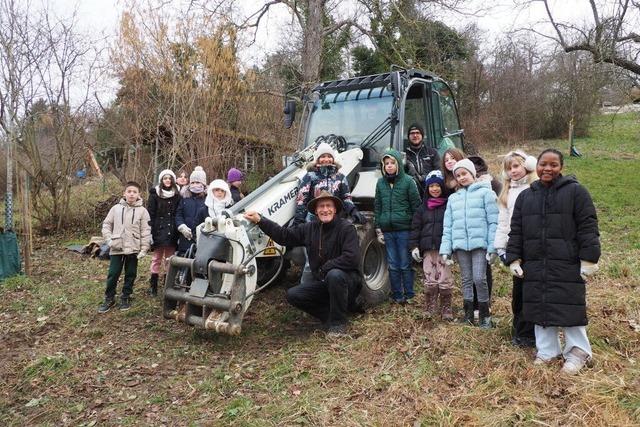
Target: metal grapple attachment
column 210, row 290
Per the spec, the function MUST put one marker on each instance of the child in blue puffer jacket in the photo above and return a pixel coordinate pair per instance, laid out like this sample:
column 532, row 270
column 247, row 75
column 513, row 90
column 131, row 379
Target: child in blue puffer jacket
column 470, row 222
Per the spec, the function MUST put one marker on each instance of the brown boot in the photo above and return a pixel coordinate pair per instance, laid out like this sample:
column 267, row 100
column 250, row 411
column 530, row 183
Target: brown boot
column 445, row 304
column 431, row 300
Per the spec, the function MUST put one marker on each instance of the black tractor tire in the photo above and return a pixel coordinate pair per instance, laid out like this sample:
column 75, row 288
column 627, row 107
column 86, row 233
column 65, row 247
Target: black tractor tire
column 267, row 268
column 373, row 264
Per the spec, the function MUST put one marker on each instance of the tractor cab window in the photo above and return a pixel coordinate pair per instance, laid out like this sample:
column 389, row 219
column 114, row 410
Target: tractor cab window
column 361, row 116
column 445, row 118
column 415, row 111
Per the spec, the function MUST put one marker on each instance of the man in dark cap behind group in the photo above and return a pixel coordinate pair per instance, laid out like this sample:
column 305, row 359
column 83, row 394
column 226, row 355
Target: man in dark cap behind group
column 334, row 257
column 421, row 159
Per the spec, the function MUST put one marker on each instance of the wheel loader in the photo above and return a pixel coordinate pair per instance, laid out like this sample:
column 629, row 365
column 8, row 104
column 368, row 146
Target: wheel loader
column 212, row 286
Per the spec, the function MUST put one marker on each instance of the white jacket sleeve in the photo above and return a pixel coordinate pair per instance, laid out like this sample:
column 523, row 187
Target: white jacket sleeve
column 502, row 231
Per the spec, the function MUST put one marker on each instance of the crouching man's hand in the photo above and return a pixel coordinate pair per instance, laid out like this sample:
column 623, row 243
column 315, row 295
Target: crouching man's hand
column 252, row 216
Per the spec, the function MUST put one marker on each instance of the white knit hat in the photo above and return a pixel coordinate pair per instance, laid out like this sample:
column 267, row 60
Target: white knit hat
column 198, row 175
column 166, row 172
column 465, row 164
column 323, row 148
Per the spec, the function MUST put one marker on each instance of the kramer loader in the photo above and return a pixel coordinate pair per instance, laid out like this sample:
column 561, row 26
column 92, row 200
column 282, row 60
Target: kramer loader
column 212, row 286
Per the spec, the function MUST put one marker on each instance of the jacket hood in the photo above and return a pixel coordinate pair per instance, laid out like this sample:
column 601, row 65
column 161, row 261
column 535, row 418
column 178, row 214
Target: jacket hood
column 138, row 203
column 222, row 185
column 396, row 155
column 479, row 163
column 561, row 181
column 479, row 184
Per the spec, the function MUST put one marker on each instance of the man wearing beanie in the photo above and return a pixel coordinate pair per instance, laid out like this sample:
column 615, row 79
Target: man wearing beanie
column 420, row 159
column 234, row 179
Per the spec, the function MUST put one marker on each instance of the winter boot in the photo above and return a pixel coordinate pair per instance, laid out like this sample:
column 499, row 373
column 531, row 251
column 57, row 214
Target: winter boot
column 575, row 361
column 153, row 285
column 485, row 317
column 445, row 305
column 431, row 300
column 468, row 311
column 106, row 305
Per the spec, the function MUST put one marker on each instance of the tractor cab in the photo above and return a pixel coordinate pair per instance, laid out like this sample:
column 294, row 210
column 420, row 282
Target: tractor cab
column 373, row 113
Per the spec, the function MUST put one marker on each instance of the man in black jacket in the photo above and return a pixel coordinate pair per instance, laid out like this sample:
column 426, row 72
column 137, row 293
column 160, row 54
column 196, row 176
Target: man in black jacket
column 334, row 257
column 420, row 159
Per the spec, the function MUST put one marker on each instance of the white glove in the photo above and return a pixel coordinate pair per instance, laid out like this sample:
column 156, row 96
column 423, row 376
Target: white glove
column 142, row 254
column 501, row 252
column 416, row 255
column 447, row 260
column 380, row 236
column 186, row 231
column 208, row 225
column 515, row 269
column 490, row 257
column 587, row 269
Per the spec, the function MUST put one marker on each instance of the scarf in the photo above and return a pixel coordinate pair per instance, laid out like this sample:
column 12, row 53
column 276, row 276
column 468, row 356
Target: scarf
column 163, row 193
column 196, row 187
column 216, row 207
column 518, row 183
column 435, row 202
column 391, row 178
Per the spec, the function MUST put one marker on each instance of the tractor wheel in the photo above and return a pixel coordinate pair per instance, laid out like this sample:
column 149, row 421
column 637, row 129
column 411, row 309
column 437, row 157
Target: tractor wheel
column 373, row 264
column 267, row 268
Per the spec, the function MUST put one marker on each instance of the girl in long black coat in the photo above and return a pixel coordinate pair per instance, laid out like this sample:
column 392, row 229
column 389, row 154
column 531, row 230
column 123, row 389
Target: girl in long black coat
column 554, row 245
column 162, row 206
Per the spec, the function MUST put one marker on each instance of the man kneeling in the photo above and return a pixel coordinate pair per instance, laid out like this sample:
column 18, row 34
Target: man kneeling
column 334, row 258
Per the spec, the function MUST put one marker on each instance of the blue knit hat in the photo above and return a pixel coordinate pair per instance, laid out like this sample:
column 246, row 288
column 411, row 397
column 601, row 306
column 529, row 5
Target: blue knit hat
column 434, row 177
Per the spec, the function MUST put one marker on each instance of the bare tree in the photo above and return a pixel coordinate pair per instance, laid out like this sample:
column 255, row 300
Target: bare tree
column 20, row 51
column 611, row 37
column 44, row 62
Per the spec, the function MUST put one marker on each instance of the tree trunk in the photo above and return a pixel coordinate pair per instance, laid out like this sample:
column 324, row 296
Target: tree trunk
column 312, row 49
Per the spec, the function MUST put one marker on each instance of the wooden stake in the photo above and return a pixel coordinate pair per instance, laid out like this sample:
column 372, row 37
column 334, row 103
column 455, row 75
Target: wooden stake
column 27, row 238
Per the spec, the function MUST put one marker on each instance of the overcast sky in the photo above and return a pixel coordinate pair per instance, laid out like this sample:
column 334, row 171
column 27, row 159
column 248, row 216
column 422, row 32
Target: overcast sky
column 100, row 19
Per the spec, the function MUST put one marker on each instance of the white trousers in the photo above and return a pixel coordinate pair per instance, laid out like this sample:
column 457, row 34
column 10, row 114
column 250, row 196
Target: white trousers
column 548, row 340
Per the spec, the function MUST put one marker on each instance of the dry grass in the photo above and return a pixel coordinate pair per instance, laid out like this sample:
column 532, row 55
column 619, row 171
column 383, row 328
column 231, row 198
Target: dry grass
column 62, row 364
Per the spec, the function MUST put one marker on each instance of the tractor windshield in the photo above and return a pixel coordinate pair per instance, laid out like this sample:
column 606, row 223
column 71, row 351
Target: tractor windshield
column 355, row 115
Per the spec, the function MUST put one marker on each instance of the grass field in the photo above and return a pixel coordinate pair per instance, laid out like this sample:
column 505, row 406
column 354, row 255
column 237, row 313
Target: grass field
column 63, row 364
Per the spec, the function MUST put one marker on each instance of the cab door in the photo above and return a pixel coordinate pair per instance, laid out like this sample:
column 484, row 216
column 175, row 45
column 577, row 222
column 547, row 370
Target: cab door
column 444, row 118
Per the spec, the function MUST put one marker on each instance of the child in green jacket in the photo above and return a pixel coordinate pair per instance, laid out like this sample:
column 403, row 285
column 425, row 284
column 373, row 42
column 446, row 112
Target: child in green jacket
column 397, row 199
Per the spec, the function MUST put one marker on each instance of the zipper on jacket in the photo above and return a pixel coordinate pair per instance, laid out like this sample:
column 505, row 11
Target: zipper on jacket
column 544, row 258
column 133, row 216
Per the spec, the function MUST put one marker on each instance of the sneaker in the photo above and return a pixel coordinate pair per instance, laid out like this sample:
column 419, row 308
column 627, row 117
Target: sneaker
column 575, row 361
column 125, row 303
column 409, row 301
column 398, row 301
column 106, row 305
column 337, row 331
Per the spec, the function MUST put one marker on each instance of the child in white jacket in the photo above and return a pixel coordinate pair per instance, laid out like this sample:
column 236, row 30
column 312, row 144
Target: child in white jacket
column 518, row 172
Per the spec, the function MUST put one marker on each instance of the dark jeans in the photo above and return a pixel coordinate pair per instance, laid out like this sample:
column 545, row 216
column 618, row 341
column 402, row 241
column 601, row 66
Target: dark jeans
column 130, row 264
column 396, row 244
column 327, row 300
column 520, row 328
column 489, row 286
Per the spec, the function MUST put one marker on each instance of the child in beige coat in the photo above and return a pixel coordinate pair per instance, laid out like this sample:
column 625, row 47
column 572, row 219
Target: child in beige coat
column 128, row 234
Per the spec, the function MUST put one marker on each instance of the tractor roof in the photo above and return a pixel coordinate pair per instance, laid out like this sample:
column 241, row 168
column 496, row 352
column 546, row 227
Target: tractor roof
column 374, row 80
